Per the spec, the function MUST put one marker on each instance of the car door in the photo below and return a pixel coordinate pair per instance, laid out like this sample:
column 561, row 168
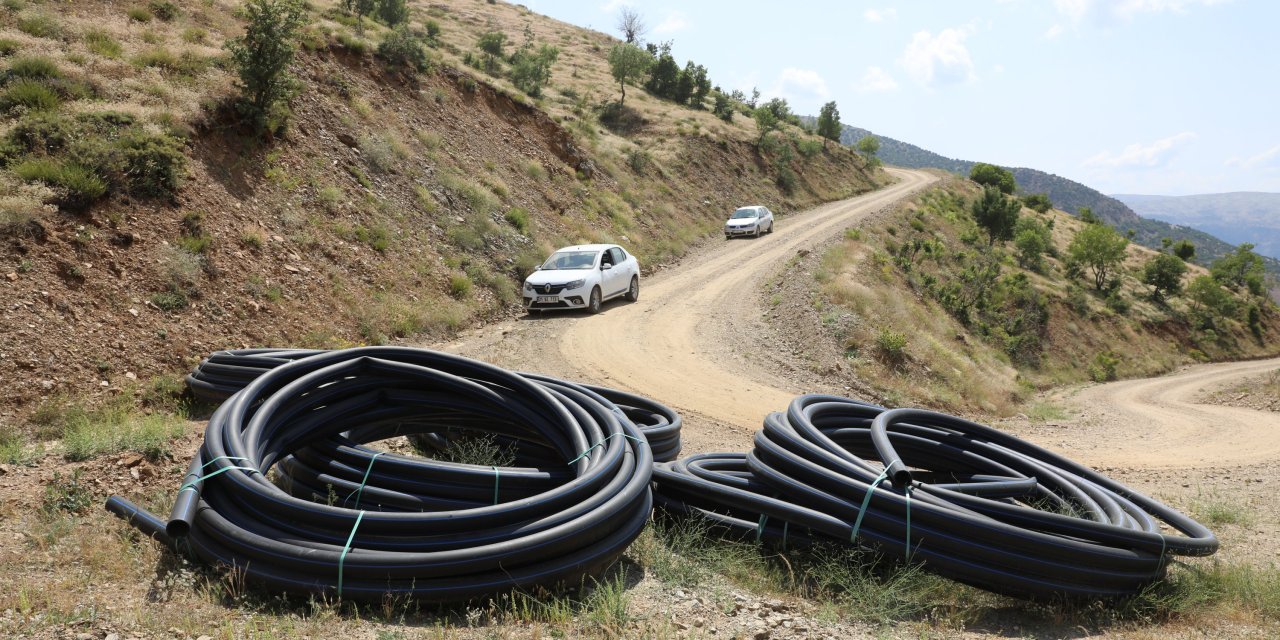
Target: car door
column 618, row 277
column 768, row 218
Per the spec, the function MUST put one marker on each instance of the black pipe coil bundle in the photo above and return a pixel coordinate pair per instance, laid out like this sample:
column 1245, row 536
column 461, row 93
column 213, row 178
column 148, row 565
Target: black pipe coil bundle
column 967, row 501
column 338, row 517
column 223, row 373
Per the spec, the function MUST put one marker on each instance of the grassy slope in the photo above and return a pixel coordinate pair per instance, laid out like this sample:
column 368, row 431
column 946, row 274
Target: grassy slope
column 951, row 365
column 398, row 204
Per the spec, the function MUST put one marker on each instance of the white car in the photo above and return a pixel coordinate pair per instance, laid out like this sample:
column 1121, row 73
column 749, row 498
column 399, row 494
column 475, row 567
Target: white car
column 583, row 277
column 749, row 221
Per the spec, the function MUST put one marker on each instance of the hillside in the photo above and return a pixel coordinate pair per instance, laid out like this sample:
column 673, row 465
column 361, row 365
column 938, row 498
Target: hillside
column 398, row 203
column 1235, row 217
column 1067, row 195
column 980, row 332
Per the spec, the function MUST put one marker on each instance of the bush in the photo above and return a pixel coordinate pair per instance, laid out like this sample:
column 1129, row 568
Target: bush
column 1163, row 274
column 8, row 46
column 39, row 25
column 393, row 12
column 433, row 31
column 991, row 175
column 722, row 107
column 139, row 14
column 1103, row 367
column 531, row 69
column 101, row 43
column 996, row 214
column 892, row 345
column 1038, row 202
column 77, row 186
column 164, row 9
column 1118, row 303
column 402, row 47
column 1032, row 240
column 33, row 68
column 31, row 95
column 153, row 163
column 261, row 58
column 459, row 286
column 519, row 218
column 159, row 57
column 1240, row 268
column 809, row 148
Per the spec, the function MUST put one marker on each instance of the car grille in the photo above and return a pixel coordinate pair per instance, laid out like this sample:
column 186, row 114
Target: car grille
column 548, row 289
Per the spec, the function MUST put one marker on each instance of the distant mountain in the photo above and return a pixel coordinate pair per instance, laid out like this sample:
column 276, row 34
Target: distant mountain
column 1245, row 216
column 1068, row 195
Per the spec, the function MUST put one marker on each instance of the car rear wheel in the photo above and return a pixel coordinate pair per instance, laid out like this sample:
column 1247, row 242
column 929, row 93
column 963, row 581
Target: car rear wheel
column 633, row 292
column 593, row 306
column 757, row 231
column 771, row 227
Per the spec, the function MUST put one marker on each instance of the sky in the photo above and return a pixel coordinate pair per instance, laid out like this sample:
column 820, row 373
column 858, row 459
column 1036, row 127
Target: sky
column 1171, row 97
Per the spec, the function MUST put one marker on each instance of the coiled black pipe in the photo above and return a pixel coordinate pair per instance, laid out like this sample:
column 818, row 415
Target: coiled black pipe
column 399, row 524
column 965, row 500
column 223, row 373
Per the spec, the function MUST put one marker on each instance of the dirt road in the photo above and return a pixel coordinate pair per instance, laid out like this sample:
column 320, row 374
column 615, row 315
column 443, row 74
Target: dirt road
column 1159, row 423
column 688, row 341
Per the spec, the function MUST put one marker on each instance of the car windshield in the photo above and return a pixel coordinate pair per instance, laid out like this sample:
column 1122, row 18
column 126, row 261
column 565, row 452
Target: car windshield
column 743, row 213
column 571, row 260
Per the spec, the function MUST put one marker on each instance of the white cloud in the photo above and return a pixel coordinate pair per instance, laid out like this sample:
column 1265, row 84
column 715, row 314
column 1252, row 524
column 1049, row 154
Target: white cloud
column 1054, row 32
column 1101, row 10
column 1139, row 155
column 613, row 5
column 675, row 21
column 803, row 82
column 942, row 59
column 1268, row 158
column 876, row 80
column 880, row 15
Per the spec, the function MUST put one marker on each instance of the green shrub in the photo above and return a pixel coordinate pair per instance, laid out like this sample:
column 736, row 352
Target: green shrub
column 33, row 68
column 393, row 12
column 378, row 237
column 101, row 43
column 531, row 69
column 8, row 46
column 39, row 25
column 433, row 31
column 519, row 218
column 32, row 95
column 1103, row 367
column 163, row 9
column 154, row 163
column 139, row 14
column 1118, row 303
column 72, row 495
column 169, row 300
column 42, row 133
column 459, row 286
column 809, row 148
column 892, row 345
column 261, row 58
column 194, row 35
column 78, row 186
column 401, row 47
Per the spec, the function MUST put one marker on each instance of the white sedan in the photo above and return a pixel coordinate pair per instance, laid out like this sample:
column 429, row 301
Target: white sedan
column 583, row 277
column 749, row 221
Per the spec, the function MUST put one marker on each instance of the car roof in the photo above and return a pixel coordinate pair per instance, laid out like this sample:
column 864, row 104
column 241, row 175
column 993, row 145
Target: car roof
column 751, row 206
column 587, row 247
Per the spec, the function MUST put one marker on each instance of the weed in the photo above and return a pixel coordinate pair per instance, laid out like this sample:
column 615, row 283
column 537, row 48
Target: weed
column 102, row 43
column 33, row 68
column 1216, row 510
column 13, row 446
column 77, row 186
column 1103, row 367
column 892, row 345
column 39, row 25
column 330, row 197
column 163, row 9
column 1044, row 412
column 69, row 495
column 459, row 286
column 139, row 14
column 519, row 218
column 194, row 35
column 32, row 95
column 169, row 301
column 377, row 237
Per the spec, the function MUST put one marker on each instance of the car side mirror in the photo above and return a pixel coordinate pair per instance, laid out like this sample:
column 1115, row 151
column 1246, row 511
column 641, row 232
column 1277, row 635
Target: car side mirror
column 606, row 266
column 537, row 268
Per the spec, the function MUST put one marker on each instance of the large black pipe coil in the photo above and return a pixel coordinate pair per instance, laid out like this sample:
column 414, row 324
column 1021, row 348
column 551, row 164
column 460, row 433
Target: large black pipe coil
column 965, row 500
column 223, row 373
column 285, row 489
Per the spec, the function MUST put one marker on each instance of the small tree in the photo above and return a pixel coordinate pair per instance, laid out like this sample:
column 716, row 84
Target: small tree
column 780, row 109
column 1240, row 268
column 1032, row 239
column 631, row 25
column 1207, row 295
column 723, row 107
column 262, row 57
column 531, row 69
column 766, row 122
column 1099, row 248
column 1038, row 202
column 1185, row 250
column 829, row 123
column 869, row 146
column 402, row 47
column 995, row 213
column 1163, row 274
column 1088, row 217
column 360, row 9
column 628, row 62
column 989, row 174
column 701, row 85
column 491, row 43
column 664, row 73
column 393, row 12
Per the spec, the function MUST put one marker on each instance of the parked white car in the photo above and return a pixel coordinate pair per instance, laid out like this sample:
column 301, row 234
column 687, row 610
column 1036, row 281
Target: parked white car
column 583, row 277
column 749, row 221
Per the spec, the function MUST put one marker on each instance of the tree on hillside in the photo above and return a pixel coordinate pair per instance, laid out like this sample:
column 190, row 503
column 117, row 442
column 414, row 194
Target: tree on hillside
column 1207, row 295
column 631, row 25
column 829, row 123
column 869, row 146
column 393, row 12
column 723, row 107
column 262, row 57
column 1032, row 240
column 701, row 84
column 1101, row 249
column 1240, row 268
column 780, row 109
column 1185, row 250
column 1088, row 217
column 491, row 43
column 360, row 9
column 531, row 68
column 995, row 213
column 1038, row 202
column 628, row 62
column 766, row 122
column 1163, row 274
column 989, row 174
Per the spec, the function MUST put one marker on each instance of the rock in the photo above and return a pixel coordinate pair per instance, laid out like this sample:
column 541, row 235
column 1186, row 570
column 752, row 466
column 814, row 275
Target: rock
column 762, row 634
column 46, row 385
column 4, row 469
column 131, row 375
column 112, row 636
column 347, row 139
column 290, row 268
column 277, row 239
column 133, row 312
column 204, row 638
column 802, row 253
column 131, row 460
column 13, row 277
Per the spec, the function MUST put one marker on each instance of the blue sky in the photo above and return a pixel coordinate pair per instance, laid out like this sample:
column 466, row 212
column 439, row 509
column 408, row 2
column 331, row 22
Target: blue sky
column 1128, row 96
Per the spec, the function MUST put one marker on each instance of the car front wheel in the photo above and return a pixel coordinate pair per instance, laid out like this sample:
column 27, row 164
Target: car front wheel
column 633, row 292
column 593, row 306
column 757, row 231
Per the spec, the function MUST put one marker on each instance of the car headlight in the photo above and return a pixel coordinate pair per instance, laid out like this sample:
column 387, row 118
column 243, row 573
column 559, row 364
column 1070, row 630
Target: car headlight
column 527, row 286
column 576, row 283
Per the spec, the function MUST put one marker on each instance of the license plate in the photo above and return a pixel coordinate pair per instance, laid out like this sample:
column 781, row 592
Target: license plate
column 548, row 299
